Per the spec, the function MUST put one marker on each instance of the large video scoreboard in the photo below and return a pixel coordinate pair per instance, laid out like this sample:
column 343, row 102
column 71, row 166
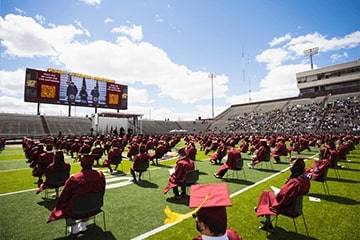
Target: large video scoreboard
column 60, row 87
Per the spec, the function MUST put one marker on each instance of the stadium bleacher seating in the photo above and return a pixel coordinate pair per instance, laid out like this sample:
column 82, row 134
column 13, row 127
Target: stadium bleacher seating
column 328, row 114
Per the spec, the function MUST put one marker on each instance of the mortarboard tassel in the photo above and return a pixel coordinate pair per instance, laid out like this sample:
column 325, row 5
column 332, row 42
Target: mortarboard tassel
column 177, row 217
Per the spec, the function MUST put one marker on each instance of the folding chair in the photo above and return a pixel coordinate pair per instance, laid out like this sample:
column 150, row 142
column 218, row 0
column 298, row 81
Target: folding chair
column 337, row 174
column 87, row 206
column 116, row 160
column 142, row 166
column 298, row 211
column 267, row 161
column 191, row 177
column 324, row 182
column 55, row 180
column 239, row 167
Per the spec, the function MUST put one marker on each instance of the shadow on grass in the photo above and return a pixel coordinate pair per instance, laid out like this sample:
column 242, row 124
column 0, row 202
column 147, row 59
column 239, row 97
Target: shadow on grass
column 281, row 234
column 341, row 180
column 183, row 200
column 146, row 184
column 349, row 169
column 239, row 181
column 48, row 203
column 267, row 170
column 282, row 162
column 334, row 198
column 120, row 173
column 93, row 232
column 203, row 173
column 161, row 165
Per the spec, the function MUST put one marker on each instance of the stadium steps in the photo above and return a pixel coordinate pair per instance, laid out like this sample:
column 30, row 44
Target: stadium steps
column 44, row 124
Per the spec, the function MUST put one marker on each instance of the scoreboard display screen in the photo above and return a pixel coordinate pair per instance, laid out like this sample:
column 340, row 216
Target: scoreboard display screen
column 60, row 87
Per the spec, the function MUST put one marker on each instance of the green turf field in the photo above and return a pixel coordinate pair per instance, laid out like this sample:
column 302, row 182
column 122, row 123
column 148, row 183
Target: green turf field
column 136, row 211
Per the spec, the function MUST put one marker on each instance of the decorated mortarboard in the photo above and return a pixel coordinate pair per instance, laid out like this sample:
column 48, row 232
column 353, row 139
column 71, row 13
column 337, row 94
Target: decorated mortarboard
column 210, row 200
column 209, row 195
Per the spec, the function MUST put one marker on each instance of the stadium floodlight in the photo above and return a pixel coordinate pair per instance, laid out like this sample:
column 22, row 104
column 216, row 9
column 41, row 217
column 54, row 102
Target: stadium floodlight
column 212, row 76
column 310, row 52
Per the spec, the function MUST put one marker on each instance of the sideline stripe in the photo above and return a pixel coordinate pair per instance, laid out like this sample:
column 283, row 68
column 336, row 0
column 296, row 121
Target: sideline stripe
column 164, row 227
column 108, row 178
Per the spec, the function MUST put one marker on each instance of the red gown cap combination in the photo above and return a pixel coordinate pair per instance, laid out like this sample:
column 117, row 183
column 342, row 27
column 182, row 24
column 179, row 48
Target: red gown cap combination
column 212, row 200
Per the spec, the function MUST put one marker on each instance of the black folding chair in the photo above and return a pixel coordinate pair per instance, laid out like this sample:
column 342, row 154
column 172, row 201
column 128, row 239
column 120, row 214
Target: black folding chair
column 87, row 206
column 298, row 211
column 55, row 180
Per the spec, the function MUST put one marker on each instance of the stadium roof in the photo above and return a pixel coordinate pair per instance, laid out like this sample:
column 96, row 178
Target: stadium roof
column 120, row 115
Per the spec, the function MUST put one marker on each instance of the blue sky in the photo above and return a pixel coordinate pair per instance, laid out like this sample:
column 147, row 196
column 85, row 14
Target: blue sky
column 165, row 50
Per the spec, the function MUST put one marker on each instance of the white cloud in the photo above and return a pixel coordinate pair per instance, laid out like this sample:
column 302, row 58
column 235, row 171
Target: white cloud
column 41, row 19
column 131, row 60
column 92, row 2
column 23, row 37
column 272, row 57
column 134, row 32
column 108, row 20
column 336, row 57
column 20, row 11
column 158, row 18
column 86, row 32
column 279, row 40
column 282, row 63
column 137, row 95
column 12, row 83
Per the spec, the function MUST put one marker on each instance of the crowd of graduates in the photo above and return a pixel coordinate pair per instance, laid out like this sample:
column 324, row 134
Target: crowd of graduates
column 222, row 149
column 40, row 153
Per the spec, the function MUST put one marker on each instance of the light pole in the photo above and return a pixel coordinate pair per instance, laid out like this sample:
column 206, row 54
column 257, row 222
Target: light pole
column 310, row 52
column 212, row 76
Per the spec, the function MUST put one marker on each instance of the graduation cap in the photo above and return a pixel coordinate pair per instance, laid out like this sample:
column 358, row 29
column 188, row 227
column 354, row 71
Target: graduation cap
column 182, row 152
column 210, row 201
column 59, row 155
column 297, row 161
column 87, row 160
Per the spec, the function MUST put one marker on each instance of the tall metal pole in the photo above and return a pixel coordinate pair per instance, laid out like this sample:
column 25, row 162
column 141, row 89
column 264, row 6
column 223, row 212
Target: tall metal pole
column 310, row 52
column 212, row 76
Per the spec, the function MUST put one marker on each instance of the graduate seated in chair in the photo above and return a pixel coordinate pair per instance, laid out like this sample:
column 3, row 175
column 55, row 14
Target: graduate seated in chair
column 178, row 177
column 233, row 156
column 88, row 180
column 141, row 157
column 318, row 168
column 284, row 201
column 262, row 154
column 58, row 166
column 219, row 154
column 98, row 152
column 114, row 158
